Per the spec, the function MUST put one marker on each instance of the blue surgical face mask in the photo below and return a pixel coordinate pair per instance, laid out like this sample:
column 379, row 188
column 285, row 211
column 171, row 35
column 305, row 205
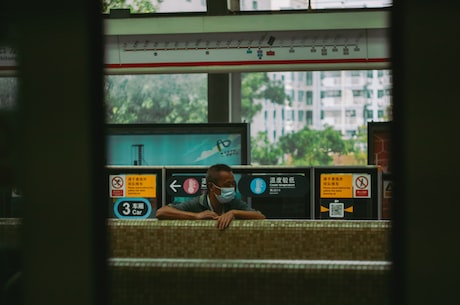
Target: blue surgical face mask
column 227, row 194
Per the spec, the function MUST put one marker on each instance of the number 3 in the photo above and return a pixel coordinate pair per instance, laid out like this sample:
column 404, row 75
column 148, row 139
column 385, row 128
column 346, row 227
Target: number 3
column 126, row 208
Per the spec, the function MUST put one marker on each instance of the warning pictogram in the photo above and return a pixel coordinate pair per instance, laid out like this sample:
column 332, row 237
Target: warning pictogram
column 117, row 182
column 361, row 185
column 388, row 189
column 361, row 182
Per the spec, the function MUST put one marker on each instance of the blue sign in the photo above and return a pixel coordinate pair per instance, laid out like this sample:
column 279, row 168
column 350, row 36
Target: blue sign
column 258, row 186
column 132, row 208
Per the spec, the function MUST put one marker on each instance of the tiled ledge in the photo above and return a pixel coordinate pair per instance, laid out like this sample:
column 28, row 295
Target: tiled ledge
column 201, row 281
column 251, row 239
column 244, row 239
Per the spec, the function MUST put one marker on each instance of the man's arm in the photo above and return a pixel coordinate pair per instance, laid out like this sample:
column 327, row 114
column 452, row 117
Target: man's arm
column 225, row 219
column 168, row 212
column 244, row 214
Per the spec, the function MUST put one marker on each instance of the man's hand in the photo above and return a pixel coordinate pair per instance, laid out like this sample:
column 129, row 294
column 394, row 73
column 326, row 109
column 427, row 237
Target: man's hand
column 206, row 215
column 224, row 220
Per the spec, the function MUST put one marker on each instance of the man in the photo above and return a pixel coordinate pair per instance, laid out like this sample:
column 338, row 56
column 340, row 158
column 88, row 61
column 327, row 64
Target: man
column 217, row 203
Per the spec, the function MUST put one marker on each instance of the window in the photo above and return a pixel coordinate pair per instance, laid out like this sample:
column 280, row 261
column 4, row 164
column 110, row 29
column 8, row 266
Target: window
column 309, row 115
column 155, row 6
column 309, row 97
column 168, row 98
column 331, row 93
column 8, row 93
column 300, row 114
column 301, row 97
column 338, row 100
column 173, row 98
column 319, row 4
column 309, row 78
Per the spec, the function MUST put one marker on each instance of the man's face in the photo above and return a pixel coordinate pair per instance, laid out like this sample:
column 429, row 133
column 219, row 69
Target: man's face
column 226, row 179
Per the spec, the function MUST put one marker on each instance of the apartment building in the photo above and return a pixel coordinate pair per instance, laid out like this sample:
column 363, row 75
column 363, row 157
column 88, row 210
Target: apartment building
column 345, row 100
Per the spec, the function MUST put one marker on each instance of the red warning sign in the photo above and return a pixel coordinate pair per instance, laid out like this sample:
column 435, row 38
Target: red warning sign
column 362, row 185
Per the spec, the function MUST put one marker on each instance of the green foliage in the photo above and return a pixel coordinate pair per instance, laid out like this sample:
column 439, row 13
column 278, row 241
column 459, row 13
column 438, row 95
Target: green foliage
column 135, row 6
column 175, row 98
column 258, row 86
column 263, row 152
column 312, row 147
column 360, row 153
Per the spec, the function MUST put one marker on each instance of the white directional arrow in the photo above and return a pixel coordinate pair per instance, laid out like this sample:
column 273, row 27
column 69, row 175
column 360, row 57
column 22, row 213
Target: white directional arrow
column 173, row 186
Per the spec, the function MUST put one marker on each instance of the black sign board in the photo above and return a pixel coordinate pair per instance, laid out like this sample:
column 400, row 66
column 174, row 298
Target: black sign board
column 185, row 185
column 288, row 185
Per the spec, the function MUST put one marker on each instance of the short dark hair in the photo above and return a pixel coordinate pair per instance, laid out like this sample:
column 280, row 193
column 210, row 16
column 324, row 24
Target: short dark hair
column 213, row 172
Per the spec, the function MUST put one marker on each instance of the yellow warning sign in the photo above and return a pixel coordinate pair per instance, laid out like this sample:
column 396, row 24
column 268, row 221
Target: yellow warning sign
column 336, row 186
column 144, row 186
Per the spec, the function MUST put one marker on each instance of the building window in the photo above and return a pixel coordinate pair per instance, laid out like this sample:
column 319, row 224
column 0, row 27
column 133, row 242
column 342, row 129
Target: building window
column 331, row 93
column 292, row 94
column 301, row 96
column 300, row 115
column 368, row 114
column 309, row 115
column 309, row 97
column 309, row 78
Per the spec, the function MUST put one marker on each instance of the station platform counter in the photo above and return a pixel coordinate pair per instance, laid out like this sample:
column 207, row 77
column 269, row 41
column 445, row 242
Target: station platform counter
column 251, row 239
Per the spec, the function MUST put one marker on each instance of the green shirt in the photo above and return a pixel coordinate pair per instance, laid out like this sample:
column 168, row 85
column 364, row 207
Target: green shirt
column 201, row 203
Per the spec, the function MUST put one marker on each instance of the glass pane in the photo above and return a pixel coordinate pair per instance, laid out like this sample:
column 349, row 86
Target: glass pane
column 329, row 128
column 334, row 4
column 274, row 5
column 8, row 93
column 163, row 98
column 10, row 201
column 155, row 6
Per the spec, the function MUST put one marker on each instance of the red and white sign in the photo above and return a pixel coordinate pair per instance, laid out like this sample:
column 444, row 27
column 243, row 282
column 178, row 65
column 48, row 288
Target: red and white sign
column 362, row 185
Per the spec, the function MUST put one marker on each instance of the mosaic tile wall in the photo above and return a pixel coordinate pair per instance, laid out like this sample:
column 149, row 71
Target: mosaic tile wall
column 10, row 232
column 319, row 262
column 192, row 281
column 251, row 239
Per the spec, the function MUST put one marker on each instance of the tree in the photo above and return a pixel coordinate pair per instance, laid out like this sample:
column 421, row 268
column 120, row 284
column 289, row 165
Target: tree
column 171, row 98
column 263, row 152
column 258, row 86
column 312, row 147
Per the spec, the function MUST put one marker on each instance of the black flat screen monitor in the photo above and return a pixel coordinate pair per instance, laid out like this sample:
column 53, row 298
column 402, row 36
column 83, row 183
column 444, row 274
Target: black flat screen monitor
column 177, row 144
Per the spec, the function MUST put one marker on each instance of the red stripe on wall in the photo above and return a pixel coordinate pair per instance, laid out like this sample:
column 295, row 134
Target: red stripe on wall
column 249, row 62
